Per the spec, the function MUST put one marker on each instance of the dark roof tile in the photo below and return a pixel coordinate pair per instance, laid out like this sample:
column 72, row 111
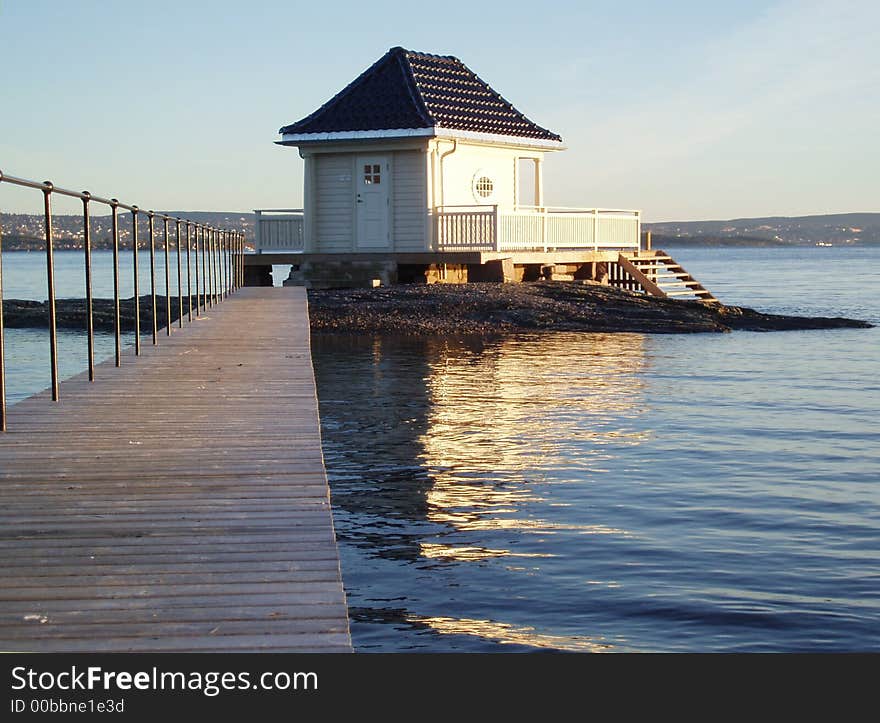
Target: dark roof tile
column 406, row 90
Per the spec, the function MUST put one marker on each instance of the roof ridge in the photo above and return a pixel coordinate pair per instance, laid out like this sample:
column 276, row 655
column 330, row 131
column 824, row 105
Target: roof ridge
column 412, row 87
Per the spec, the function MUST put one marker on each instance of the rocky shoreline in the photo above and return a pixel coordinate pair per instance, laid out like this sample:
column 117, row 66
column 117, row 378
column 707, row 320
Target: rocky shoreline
column 475, row 308
column 494, row 308
column 72, row 313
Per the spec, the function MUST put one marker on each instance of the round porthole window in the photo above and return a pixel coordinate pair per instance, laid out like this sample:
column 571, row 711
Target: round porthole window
column 483, row 187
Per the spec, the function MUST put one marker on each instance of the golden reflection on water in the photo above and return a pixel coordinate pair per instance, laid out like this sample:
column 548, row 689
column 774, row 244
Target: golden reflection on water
column 510, row 634
column 592, row 384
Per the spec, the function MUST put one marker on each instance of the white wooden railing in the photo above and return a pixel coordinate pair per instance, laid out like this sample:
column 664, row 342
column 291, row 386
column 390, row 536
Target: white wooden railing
column 279, row 229
column 535, row 228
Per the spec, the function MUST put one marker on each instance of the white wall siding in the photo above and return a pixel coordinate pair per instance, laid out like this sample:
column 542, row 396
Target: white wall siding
column 409, row 201
column 460, row 167
column 334, row 203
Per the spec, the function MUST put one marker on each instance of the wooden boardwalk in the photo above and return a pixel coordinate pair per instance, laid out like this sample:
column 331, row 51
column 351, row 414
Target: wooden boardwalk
column 178, row 503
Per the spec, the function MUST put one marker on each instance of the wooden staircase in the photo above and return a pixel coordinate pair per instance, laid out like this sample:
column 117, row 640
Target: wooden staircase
column 660, row 275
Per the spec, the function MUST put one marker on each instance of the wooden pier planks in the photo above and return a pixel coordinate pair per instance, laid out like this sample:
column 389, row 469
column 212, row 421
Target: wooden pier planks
column 178, row 503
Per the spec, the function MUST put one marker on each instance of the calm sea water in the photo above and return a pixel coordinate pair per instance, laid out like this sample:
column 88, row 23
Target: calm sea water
column 24, row 277
column 602, row 492
column 625, row 492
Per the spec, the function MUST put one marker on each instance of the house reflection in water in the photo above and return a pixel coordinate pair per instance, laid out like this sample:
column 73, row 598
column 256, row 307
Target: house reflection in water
column 489, row 448
column 464, row 451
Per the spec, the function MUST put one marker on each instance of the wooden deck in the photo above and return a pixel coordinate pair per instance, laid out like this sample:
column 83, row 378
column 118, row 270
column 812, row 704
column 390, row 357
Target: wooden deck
column 178, row 503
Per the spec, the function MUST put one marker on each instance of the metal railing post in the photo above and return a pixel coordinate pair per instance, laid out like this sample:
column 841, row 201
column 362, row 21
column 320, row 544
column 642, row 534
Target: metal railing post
column 179, row 276
column 213, row 260
column 204, row 269
column 227, row 240
column 50, row 284
column 137, row 298
column 189, row 298
column 90, row 321
column 153, row 276
column 167, row 278
column 198, row 300
column 226, row 288
column 114, row 225
column 224, row 260
column 215, row 268
column 220, row 283
column 206, row 265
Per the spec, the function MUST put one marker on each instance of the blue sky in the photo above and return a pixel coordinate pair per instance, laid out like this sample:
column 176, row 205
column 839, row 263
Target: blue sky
column 687, row 110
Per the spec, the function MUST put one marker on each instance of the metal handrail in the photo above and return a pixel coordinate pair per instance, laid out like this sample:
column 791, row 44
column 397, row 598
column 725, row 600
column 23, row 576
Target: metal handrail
column 226, row 262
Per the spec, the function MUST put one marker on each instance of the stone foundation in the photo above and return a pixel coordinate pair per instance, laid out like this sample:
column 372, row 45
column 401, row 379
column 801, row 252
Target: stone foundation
column 347, row 274
column 342, row 274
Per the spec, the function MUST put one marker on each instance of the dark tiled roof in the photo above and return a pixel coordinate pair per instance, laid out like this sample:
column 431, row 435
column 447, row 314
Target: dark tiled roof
column 405, row 90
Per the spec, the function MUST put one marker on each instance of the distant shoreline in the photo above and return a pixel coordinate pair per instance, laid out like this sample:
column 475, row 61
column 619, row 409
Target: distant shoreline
column 38, row 245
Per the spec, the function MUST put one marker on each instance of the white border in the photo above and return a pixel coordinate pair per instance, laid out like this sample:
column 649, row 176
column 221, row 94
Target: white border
column 293, row 139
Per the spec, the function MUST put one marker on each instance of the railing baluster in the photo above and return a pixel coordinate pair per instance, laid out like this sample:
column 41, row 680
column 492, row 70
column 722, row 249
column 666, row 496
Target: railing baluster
column 218, row 240
column 206, row 265
column 225, row 237
column 137, row 298
column 215, row 282
column 189, row 298
column 153, row 276
column 224, row 241
column 114, row 226
column 50, row 286
column 167, row 278
column 179, row 277
column 198, row 300
column 218, row 236
column 204, row 268
column 90, row 321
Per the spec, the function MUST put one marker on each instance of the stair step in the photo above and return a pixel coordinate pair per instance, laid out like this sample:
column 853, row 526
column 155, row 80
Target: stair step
column 661, row 275
column 652, row 267
column 692, row 283
column 676, row 275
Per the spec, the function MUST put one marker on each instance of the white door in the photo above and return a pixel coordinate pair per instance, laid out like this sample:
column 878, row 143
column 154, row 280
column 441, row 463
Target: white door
column 372, row 202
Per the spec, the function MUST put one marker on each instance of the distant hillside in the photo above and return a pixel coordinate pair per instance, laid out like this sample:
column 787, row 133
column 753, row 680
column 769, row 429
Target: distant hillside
column 839, row 229
column 24, row 231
